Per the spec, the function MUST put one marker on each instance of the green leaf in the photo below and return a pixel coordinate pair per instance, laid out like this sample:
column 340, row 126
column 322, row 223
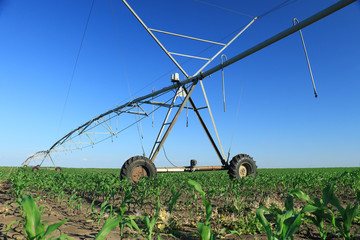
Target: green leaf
column 294, row 226
column 260, row 216
column 152, row 224
column 33, row 226
column 175, row 197
column 147, row 221
column 236, row 233
column 53, row 227
column 10, row 224
column 208, row 210
column 197, row 186
column 204, row 231
column 289, row 203
column 133, row 224
column 310, row 209
column 108, row 226
column 349, row 215
column 300, row 195
column 63, row 237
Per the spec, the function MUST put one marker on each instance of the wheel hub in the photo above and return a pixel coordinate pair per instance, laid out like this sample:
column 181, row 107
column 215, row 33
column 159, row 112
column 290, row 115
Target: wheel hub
column 242, row 171
column 137, row 173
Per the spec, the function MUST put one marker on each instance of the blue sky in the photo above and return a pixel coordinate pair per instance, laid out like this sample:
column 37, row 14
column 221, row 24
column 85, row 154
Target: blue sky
column 280, row 122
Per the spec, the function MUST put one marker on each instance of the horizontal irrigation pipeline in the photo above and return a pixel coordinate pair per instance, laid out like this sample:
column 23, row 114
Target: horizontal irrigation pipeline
column 316, row 17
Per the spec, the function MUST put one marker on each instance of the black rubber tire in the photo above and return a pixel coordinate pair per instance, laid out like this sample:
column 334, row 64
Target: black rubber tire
column 193, row 163
column 135, row 162
column 242, row 160
column 58, row 169
column 35, row 169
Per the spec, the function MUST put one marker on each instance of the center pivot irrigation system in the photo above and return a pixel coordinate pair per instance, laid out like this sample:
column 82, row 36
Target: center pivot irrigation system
column 105, row 126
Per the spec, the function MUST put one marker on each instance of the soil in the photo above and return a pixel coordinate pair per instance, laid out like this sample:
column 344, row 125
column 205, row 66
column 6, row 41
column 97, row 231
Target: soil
column 77, row 227
column 81, row 226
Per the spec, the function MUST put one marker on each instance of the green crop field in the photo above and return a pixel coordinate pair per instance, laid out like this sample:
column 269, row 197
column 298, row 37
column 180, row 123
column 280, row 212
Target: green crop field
column 96, row 204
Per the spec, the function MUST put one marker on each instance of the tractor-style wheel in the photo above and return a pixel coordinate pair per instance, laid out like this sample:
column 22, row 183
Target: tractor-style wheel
column 242, row 165
column 35, row 169
column 138, row 167
column 58, row 169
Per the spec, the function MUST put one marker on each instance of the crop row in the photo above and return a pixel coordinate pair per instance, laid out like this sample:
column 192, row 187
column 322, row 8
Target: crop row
column 206, row 201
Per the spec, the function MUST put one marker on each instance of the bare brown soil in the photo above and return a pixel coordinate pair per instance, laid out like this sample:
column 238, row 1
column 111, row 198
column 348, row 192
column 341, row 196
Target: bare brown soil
column 77, row 227
column 81, row 226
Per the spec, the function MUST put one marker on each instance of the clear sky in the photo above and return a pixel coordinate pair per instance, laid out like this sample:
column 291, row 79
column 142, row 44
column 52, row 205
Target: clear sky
column 280, row 123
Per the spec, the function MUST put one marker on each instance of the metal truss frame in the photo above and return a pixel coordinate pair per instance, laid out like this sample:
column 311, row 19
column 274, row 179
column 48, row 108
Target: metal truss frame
column 89, row 130
column 220, row 153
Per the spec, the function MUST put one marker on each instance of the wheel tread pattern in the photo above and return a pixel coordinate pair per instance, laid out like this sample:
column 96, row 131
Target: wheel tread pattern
column 129, row 164
column 235, row 161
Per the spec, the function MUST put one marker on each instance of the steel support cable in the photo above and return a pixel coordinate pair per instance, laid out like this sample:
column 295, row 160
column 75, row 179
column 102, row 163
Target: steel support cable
column 152, row 115
column 119, row 44
column 284, row 4
column 140, row 132
column 104, row 139
column 316, row 17
column 295, row 21
column 223, row 157
column 33, row 157
column 275, row 38
column 212, row 119
column 97, row 142
column 202, row 86
column 226, row 9
column 123, row 129
column 187, row 113
column 223, row 78
column 167, row 157
column 306, row 22
column 126, row 76
column 236, row 120
column 87, row 125
column 140, row 135
column 184, row 62
column 76, row 62
column 277, row 7
column 207, row 48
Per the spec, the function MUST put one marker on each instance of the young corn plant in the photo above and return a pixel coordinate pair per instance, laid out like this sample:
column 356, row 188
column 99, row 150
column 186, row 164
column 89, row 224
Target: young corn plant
column 347, row 215
column 317, row 211
column 175, row 195
column 35, row 229
column 150, row 223
column 125, row 220
column 204, row 229
column 122, row 220
column 287, row 222
column 105, row 208
column 108, row 226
